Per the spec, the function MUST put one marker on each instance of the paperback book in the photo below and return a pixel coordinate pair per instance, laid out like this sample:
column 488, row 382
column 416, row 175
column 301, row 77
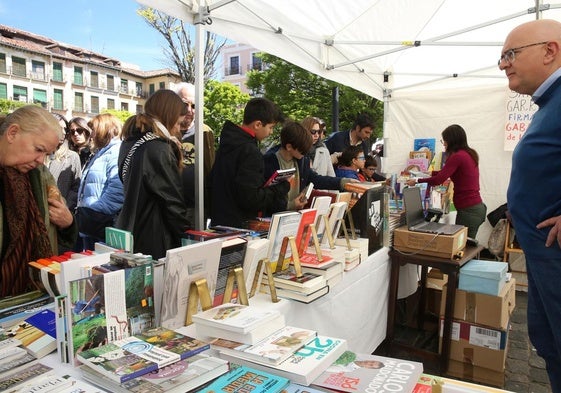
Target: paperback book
column 179, row 377
column 353, row 372
column 273, row 349
column 280, row 175
column 134, row 356
column 283, row 224
column 306, row 364
column 14, row 359
column 37, row 333
column 288, row 279
column 246, row 379
column 235, row 317
column 252, row 337
column 16, row 380
column 231, row 256
column 298, row 295
column 256, row 251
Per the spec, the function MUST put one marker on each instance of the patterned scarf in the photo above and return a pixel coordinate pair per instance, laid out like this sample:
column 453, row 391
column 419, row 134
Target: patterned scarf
column 25, row 230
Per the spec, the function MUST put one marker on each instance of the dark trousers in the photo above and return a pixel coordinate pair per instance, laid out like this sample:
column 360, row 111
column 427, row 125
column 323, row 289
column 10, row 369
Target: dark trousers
column 472, row 217
column 544, row 314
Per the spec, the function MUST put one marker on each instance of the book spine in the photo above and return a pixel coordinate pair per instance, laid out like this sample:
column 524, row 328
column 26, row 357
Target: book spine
column 32, row 306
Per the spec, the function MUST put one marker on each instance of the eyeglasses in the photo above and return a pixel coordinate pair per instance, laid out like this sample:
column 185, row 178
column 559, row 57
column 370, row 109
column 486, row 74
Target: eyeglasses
column 313, row 132
column 361, row 158
column 510, row 54
column 78, row 131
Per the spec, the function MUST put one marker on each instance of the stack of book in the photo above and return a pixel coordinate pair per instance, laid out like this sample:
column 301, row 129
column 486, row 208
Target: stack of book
column 157, row 360
column 36, row 333
column 237, row 322
column 306, row 288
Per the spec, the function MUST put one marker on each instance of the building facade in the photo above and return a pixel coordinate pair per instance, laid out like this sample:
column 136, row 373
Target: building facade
column 72, row 81
column 238, row 59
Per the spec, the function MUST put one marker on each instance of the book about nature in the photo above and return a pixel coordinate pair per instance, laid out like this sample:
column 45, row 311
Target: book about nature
column 179, row 377
column 273, row 349
column 353, row 372
column 246, row 379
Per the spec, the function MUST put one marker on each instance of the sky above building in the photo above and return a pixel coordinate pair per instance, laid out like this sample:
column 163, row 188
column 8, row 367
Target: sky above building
column 109, row 27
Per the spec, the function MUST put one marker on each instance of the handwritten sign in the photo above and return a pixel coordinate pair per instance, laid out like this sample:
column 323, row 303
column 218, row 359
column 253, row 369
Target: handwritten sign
column 520, row 110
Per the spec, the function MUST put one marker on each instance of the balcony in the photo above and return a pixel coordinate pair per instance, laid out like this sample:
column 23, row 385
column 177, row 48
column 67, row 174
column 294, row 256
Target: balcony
column 256, row 66
column 232, row 71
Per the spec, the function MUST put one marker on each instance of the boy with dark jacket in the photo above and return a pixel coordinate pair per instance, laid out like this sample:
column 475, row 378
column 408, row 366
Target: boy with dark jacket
column 236, row 179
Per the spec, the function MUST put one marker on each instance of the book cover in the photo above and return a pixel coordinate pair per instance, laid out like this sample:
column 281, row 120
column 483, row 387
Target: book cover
column 304, row 233
column 280, row 175
column 119, row 238
column 49, row 382
column 172, row 341
column 283, row 224
column 179, row 377
column 235, row 317
column 246, row 379
column 288, row 279
column 184, row 265
column 306, row 364
column 425, row 144
column 37, row 333
column 251, row 337
column 13, row 380
column 295, row 388
column 273, row 349
column 328, row 271
column 354, row 372
column 231, row 256
column 299, row 295
column 256, row 251
column 310, row 259
column 109, row 306
column 15, row 359
column 322, row 204
column 336, row 215
column 20, row 304
column 79, row 386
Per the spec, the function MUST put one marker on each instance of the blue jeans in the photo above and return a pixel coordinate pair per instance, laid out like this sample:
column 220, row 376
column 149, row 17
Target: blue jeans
column 544, row 314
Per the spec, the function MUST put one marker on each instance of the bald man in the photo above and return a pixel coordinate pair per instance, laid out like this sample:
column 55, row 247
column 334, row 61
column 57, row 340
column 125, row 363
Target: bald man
column 531, row 59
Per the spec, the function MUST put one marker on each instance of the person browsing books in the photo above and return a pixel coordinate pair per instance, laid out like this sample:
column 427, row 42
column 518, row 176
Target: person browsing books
column 531, row 60
column 368, row 173
column 295, row 143
column 318, row 153
column 150, row 163
column 35, row 218
column 358, row 135
column 462, row 167
column 350, row 162
column 236, row 179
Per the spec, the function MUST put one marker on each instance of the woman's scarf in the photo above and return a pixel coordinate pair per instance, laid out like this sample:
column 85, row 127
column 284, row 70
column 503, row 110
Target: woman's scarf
column 26, row 232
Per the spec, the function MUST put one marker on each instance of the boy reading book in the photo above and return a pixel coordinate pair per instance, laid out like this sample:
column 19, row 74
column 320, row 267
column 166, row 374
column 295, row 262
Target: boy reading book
column 291, row 153
column 237, row 192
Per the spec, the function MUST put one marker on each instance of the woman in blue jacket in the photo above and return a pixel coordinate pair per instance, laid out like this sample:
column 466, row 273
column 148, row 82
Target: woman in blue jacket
column 100, row 196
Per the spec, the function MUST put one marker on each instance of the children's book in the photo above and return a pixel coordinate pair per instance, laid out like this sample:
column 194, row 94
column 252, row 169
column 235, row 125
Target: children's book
column 179, row 377
column 246, row 379
column 273, row 349
column 353, row 372
column 306, row 364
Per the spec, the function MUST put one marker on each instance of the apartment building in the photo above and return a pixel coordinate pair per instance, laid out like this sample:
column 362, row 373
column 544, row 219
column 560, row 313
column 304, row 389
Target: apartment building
column 238, row 59
column 72, row 81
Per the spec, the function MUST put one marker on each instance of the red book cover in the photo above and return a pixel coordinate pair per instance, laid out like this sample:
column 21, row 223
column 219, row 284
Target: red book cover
column 304, row 233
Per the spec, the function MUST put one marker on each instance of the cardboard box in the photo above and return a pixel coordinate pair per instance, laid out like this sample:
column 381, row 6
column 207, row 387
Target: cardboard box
column 442, row 246
column 477, row 374
column 477, row 345
column 482, row 309
column 483, row 276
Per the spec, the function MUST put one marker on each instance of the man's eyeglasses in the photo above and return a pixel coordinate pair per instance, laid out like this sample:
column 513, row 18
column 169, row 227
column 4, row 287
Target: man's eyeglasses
column 78, row 131
column 510, row 55
column 313, row 132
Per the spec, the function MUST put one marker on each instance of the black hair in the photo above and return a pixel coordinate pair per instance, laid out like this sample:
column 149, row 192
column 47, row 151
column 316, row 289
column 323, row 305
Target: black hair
column 295, row 134
column 456, row 139
column 263, row 110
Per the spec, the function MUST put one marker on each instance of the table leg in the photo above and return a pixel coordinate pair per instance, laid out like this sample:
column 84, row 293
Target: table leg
column 448, row 314
column 423, row 298
column 392, row 301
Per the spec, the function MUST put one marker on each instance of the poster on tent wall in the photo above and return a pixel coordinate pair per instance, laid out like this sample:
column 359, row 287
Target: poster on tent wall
column 520, row 110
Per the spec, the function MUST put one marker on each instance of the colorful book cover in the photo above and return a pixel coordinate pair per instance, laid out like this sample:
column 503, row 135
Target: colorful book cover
column 37, row 333
column 289, row 277
column 273, row 349
column 280, row 175
column 179, row 377
column 172, row 341
column 422, row 144
column 245, row 379
column 304, row 232
column 306, row 364
column 119, row 238
column 361, row 372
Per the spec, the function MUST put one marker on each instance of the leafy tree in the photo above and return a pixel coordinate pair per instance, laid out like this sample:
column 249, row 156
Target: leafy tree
column 121, row 115
column 180, row 54
column 301, row 93
column 8, row 106
column 223, row 101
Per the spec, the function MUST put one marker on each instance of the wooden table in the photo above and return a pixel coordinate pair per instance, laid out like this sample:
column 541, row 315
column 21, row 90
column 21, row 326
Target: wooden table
column 447, row 266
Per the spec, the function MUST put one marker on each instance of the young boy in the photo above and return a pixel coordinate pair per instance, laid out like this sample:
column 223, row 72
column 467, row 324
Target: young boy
column 295, row 143
column 237, row 192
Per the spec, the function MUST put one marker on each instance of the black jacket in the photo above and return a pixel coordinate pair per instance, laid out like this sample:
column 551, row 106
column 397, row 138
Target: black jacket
column 236, row 180
column 153, row 208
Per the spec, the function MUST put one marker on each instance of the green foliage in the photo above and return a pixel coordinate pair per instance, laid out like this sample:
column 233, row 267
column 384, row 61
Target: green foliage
column 8, row 106
column 301, row 93
column 223, row 101
column 121, row 115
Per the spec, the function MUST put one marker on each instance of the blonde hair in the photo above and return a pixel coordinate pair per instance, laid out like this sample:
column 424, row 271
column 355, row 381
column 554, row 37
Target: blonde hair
column 105, row 127
column 309, row 122
column 31, row 118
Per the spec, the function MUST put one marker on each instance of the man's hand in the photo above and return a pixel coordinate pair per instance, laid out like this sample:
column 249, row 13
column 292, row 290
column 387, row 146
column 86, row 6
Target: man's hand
column 554, row 233
column 300, row 201
column 59, row 214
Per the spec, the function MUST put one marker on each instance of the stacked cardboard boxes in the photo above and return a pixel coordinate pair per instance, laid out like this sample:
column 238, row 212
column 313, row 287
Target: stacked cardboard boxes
column 480, row 328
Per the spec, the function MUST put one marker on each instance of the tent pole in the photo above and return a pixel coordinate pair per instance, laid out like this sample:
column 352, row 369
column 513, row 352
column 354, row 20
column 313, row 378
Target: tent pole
column 199, row 143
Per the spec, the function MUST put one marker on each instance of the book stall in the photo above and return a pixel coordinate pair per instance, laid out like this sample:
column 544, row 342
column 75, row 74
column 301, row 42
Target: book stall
column 300, row 306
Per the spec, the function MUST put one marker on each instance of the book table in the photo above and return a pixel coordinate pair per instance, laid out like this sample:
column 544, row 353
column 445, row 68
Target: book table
column 447, row 266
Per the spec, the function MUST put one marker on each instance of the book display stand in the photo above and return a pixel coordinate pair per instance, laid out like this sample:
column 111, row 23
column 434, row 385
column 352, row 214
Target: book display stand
column 265, row 265
column 330, row 239
column 198, row 291
column 284, row 263
column 235, row 277
column 315, row 241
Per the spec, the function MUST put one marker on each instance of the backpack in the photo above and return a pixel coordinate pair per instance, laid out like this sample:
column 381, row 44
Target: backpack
column 497, row 238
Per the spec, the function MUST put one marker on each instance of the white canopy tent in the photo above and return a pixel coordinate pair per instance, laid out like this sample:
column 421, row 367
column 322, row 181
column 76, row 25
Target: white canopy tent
column 433, row 62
